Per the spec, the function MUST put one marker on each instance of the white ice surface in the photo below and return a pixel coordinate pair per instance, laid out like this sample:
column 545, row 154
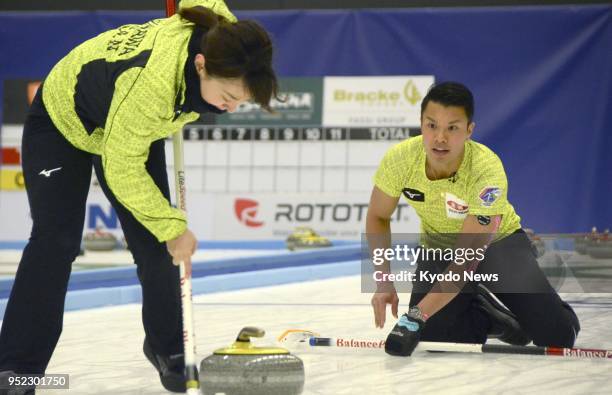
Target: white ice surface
column 101, row 348
column 9, row 259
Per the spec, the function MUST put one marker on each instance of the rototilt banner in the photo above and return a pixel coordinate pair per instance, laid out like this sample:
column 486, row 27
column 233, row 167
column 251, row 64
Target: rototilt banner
column 231, row 216
column 266, row 216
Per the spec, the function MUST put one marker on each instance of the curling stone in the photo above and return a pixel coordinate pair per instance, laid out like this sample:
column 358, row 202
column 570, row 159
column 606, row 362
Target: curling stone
column 305, row 238
column 99, row 241
column 244, row 369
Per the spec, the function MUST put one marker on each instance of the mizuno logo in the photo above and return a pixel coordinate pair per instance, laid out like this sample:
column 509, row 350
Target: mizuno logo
column 413, row 194
column 47, row 173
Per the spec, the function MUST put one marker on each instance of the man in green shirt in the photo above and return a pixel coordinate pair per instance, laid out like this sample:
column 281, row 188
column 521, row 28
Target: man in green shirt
column 459, row 190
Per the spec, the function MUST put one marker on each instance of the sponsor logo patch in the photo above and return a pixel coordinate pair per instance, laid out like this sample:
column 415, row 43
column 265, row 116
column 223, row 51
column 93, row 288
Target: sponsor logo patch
column 413, row 194
column 488, row 195
column 455, row 207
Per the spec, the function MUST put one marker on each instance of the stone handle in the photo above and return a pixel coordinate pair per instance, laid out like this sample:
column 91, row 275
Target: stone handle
column 248, row 332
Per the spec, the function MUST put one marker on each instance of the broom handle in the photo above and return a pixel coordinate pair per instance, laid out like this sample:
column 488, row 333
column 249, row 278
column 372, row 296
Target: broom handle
column 467, row 348
column 191, row 371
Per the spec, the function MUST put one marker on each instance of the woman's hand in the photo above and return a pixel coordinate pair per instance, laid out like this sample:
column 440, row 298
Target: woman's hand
column 182, row 248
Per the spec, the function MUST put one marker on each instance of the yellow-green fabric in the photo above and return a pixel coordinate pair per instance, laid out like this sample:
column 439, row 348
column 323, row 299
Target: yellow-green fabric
column 479, row 187
column 151, row 60
column 218, row 6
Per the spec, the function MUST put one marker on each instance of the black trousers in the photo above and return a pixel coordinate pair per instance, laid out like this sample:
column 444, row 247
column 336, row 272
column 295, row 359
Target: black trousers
column 521, row 286
column 34, row 314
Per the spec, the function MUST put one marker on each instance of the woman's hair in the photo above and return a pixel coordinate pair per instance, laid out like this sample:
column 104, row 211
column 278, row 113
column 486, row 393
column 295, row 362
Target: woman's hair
column 241, row 49
column 451, row 94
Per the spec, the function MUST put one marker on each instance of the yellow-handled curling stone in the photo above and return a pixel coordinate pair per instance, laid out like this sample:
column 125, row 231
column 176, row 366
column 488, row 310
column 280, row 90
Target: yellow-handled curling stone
column 244, row 369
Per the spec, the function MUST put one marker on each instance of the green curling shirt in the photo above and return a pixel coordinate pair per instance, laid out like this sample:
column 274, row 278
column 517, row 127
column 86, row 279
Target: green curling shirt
column 479, row 187
column 117, row 93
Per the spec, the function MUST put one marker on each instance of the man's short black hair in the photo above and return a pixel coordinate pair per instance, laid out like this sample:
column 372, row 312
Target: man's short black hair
column 451, row 94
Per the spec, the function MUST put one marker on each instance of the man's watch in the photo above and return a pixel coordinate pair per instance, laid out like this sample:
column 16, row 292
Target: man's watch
column 416, row 312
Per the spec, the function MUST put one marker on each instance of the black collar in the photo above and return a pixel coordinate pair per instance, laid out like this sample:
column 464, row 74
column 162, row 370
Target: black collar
column 193, row 99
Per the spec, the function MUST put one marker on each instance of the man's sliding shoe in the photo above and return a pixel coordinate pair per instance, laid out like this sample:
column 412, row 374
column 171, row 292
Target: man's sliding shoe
column 171, row 369
column 504, row 325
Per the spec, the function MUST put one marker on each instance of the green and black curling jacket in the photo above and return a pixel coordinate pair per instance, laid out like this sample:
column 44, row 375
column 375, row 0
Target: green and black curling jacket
column 117, row 93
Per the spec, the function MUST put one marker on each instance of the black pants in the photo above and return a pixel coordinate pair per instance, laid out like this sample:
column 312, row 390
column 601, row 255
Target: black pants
column 34, row 313
column 521, row 286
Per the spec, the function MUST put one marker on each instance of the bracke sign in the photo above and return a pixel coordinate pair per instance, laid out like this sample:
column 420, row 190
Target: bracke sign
column 374, row 101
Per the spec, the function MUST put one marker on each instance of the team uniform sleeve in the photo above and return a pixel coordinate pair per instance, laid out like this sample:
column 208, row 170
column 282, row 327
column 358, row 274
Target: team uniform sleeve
column 129, row 125
column 217, row 6
column 388, row 175
column 489, row 192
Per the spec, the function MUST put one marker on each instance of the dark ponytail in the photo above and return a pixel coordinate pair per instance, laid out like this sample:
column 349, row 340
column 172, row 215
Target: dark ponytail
column 241, row 49
column 201, row 16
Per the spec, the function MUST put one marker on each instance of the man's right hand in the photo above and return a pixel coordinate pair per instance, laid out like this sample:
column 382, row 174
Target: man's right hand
column 182, row 248
column 406, row 334
column 385, row 294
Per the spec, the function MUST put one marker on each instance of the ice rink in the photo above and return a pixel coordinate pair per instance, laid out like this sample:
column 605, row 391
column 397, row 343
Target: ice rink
column 295, row 135
column 101, row 348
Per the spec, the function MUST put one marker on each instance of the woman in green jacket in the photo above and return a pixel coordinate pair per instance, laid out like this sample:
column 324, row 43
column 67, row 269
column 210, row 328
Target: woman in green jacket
column 110, row 103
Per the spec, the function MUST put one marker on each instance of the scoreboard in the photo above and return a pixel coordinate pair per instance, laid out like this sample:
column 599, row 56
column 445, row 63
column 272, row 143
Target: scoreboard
column 286, row 158
column 195, row 132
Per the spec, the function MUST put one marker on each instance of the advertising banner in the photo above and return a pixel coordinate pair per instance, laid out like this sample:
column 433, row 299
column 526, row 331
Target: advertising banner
column 16, row 223
column 374, row 101
column 299, row 104
column 200, row 208
column 11, row 179
column 272, row 216
column 15, row 220
column 231, row 216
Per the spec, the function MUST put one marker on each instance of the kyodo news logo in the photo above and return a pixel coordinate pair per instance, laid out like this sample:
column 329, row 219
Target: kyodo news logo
column 246, row 212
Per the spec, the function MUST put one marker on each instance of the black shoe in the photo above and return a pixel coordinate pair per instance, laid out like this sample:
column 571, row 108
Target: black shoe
column 7, row 389
column 504, row 325
column 171, row 369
